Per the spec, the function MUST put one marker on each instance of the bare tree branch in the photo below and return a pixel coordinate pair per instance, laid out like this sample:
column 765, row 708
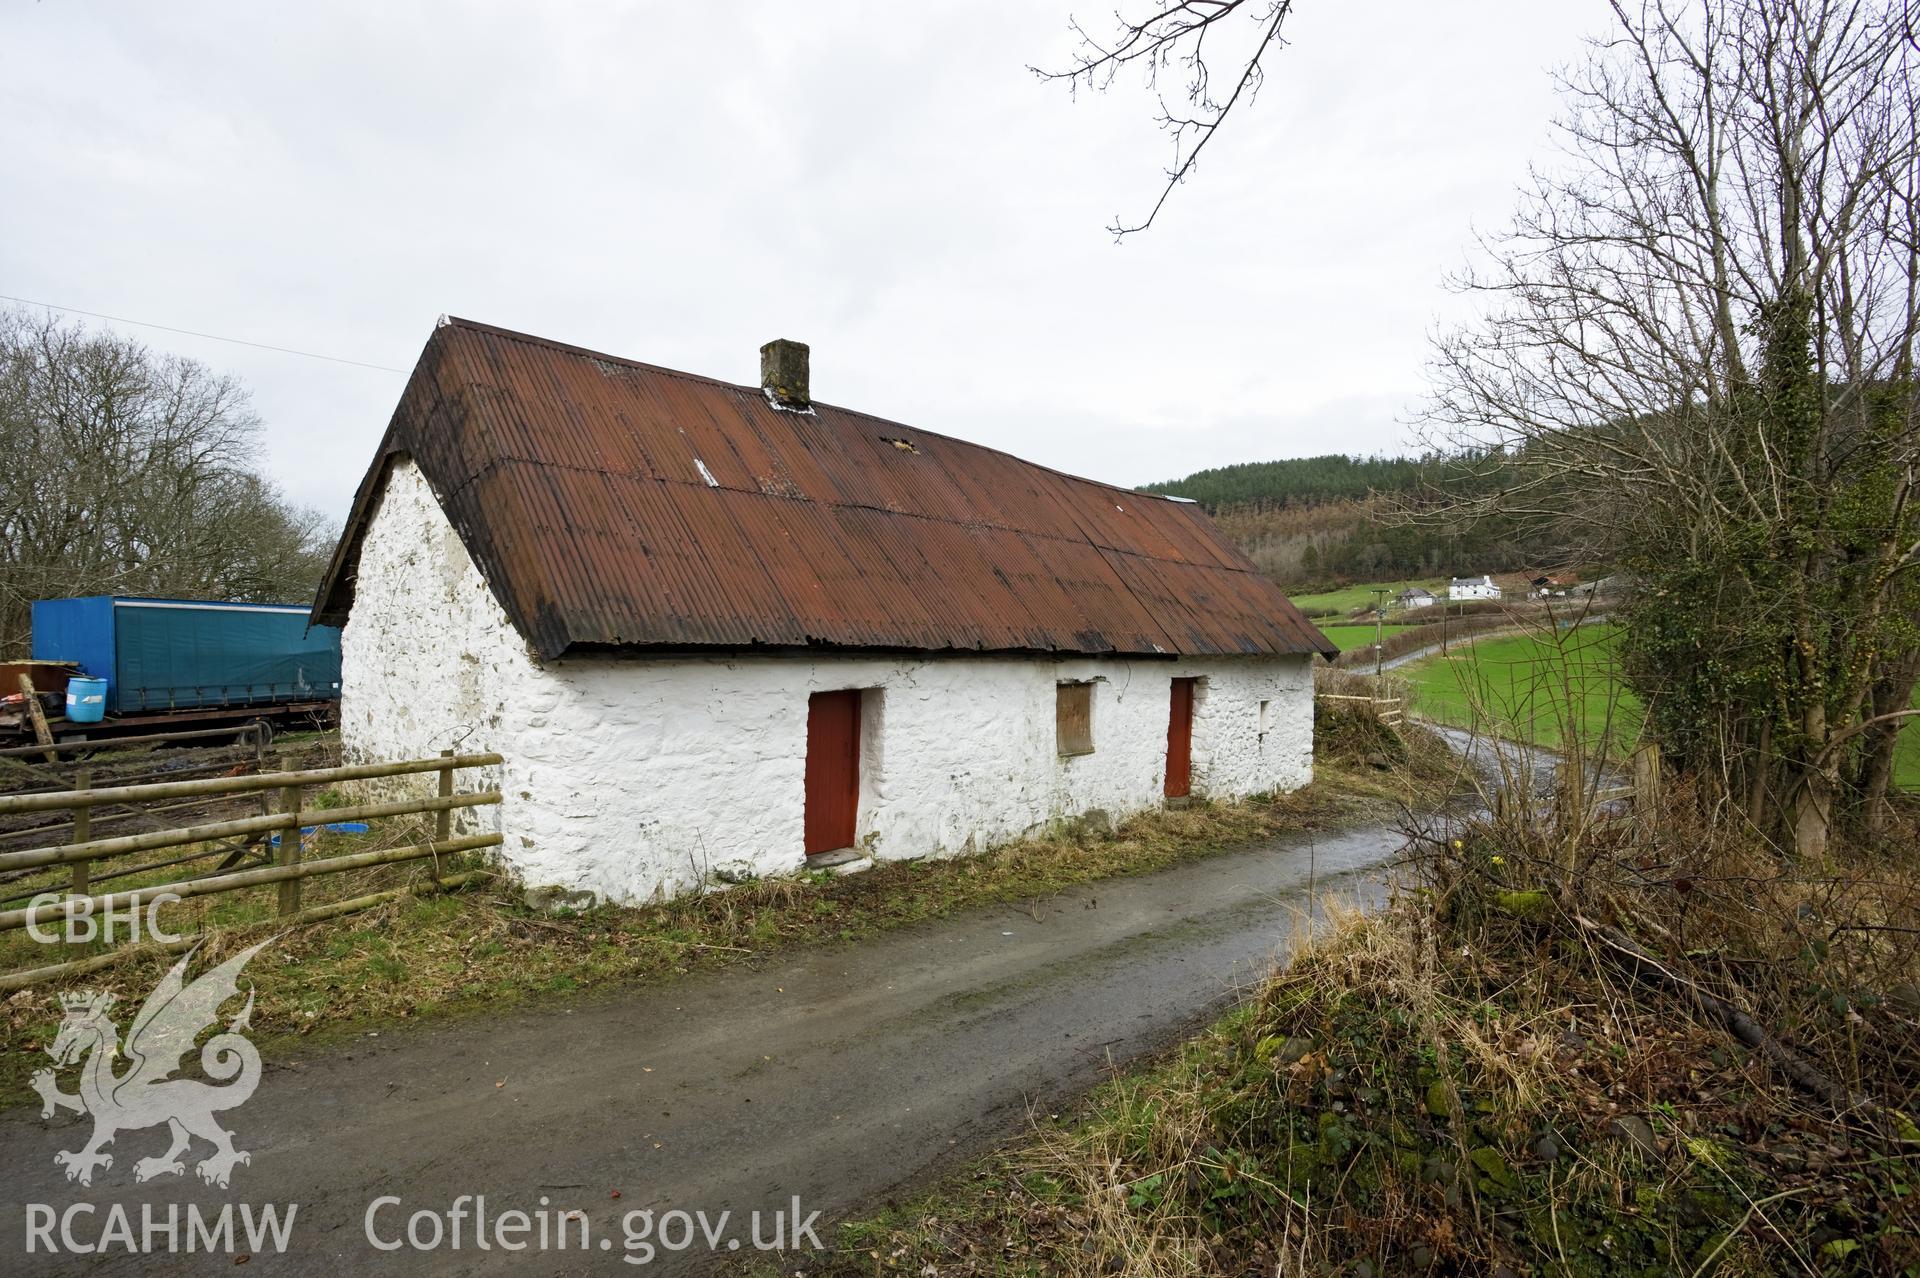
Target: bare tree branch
column 130, row 472
column 1175, row 33
column 1696, row 356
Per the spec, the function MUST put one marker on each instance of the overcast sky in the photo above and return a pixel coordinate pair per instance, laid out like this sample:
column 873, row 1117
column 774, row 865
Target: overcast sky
column 679, row 183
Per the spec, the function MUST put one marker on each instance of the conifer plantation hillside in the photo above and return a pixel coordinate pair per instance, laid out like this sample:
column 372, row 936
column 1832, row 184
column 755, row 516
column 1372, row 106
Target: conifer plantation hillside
column 1317, row 522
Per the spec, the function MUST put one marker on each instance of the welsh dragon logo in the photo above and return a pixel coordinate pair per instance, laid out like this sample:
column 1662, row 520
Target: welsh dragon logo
column 144, row 1095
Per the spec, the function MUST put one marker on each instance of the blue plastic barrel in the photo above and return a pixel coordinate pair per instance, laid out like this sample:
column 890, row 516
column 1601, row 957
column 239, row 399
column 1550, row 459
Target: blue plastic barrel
column 86, row 699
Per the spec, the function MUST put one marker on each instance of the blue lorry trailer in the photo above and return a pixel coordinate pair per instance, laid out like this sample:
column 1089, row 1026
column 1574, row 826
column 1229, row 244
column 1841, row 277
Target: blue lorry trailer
column 167, row 659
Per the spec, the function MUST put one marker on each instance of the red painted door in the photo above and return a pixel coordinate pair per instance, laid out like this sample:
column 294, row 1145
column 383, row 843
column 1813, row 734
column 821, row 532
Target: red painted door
column 833, row 769
column 1180, row 740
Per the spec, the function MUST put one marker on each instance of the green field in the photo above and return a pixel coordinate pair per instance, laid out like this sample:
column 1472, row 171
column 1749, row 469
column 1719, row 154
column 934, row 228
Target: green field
column 1347, row 598
column 1357, row 636
column 1512, row 685
column 1906, row 756
column 1525, row 687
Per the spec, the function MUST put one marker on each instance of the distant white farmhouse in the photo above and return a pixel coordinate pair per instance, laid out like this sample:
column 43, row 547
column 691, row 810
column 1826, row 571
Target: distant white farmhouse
column 1416, row 597
column 722, row 631
column 1473, row 588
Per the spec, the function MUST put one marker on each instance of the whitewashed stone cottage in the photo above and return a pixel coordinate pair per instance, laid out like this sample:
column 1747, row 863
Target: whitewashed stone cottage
column 721, row 631
column 1480, row 587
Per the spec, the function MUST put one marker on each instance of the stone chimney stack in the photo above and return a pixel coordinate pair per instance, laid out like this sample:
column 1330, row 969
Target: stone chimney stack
column 783, row 374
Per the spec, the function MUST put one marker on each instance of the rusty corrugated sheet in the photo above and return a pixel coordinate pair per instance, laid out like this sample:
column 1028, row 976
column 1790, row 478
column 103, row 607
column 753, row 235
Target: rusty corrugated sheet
column 575, row 481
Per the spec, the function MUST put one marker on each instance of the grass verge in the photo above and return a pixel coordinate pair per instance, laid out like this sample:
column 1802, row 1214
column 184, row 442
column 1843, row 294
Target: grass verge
column 1477, row 1082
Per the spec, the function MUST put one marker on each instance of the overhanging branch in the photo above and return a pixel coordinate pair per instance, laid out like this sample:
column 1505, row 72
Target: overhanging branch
column 1173, row 33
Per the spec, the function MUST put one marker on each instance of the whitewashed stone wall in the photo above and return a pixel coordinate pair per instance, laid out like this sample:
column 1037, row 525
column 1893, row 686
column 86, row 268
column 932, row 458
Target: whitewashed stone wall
column 632, row 778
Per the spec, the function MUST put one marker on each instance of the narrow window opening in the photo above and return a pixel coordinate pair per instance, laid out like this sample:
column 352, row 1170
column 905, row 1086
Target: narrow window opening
column 1073, row 718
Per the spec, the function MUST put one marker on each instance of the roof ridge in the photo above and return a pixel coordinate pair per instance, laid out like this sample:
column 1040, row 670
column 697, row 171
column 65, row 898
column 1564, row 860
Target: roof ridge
column 534, row 339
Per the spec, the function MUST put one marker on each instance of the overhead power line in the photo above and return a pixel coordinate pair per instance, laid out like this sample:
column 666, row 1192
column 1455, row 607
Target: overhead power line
column 188, row 332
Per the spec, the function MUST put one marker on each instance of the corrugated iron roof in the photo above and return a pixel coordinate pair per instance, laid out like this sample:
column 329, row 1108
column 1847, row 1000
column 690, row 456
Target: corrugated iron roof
column 611, row 504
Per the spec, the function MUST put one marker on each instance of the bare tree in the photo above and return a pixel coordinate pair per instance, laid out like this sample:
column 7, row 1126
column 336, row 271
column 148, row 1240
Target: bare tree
column 129, row 472
column 1697, row 356
column 1181, row 37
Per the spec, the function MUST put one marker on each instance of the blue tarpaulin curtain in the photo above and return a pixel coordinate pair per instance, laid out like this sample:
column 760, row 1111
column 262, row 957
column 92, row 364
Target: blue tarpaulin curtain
column 178, row 654
column 172, row 655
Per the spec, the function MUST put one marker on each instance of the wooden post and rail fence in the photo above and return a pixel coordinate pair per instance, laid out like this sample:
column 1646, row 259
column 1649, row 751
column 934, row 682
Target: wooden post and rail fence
column 223, row 752
column 1388, row 710
column 284, row 814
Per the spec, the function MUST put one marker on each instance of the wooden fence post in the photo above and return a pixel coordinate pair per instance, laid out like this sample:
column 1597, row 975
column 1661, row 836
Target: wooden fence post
column 290, row 846
column 82, row 829
column 82, row 832
column 1569, row 788
column 443, row 819
column 1648, row 779
column 260, row 768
